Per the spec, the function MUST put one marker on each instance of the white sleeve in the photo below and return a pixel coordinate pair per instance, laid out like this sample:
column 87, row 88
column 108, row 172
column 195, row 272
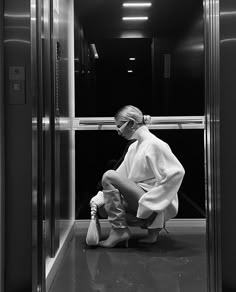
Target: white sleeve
column 169, row 174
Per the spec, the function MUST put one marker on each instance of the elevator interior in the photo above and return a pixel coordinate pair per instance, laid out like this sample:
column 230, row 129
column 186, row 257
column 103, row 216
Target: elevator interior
column 59, row 42
column 167, row 81
column 43, row 114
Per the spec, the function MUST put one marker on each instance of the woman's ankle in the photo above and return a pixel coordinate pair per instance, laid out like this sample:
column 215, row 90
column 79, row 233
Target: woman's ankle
column 116, row 236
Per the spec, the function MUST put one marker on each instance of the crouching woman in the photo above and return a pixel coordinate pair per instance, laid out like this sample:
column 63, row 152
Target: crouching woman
column 142, row 191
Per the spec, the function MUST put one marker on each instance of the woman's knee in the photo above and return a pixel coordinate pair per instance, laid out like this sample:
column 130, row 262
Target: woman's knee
column 109, row 177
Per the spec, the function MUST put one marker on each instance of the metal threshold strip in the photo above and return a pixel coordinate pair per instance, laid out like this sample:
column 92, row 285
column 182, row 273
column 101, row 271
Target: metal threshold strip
column 107, row 123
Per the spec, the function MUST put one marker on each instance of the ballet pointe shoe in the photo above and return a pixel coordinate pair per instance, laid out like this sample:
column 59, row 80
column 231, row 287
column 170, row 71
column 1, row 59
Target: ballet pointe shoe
column 94, row 230
column 152, row 236
column 116, row 236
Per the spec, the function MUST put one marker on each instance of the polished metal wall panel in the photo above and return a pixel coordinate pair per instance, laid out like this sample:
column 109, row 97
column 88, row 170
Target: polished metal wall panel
column 67, row 110
column 212, row 139
column 51, row 144
column 52, row 80
column 227, row 107
column 18, row 150
column 38, row 226
column 34, row 75
column 47, row 104
column 2, row 156
column 54, row 120
column 59, row 145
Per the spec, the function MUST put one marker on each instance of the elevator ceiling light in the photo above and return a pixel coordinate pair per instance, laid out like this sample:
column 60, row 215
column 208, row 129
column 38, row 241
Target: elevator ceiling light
column 135, row 18
column 130, row 71
column 143, row 4
column 132, row 59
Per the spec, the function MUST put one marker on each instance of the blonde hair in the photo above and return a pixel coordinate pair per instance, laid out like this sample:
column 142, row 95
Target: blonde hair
column 130, row 112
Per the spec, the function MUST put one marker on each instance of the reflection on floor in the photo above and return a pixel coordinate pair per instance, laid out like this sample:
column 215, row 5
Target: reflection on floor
column 177, row 263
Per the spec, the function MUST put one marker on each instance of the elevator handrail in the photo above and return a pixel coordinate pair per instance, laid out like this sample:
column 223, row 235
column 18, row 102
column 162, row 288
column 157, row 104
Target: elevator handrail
column 107, row 123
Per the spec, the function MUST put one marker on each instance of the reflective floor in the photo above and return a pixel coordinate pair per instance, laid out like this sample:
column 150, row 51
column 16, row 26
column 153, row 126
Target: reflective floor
column 177, row 263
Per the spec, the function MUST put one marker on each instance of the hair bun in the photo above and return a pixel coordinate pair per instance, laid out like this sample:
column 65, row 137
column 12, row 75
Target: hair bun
column 146, row 119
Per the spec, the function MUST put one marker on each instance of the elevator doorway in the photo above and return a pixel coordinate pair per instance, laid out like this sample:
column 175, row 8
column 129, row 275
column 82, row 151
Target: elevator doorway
column 38, row 42
column 92, row 120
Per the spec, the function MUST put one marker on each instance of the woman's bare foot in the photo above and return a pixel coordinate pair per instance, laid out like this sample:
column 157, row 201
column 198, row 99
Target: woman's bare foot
column 152, row 236
column 117, row 235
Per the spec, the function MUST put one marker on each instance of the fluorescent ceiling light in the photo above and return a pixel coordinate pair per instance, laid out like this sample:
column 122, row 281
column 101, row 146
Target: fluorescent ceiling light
column 141, row 4
column 132, row 59
column 135, row 18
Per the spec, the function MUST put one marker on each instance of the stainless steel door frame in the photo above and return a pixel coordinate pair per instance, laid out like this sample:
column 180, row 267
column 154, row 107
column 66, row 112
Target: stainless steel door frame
column 55, row 131
column 45, row 137
column 38, row 250
column 212, row 142
column 51, row 134
column 47, row 92
column 2, row 160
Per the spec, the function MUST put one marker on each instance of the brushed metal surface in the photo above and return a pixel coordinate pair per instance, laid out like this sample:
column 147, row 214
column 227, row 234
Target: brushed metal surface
column 58, row 145
column 52, row 83
column 2, row 156
column 38, row 249
column 227, row 123
column 66, row 100
column 212, row 159
column 47, row 109
column 18, row 148
column 52, row 185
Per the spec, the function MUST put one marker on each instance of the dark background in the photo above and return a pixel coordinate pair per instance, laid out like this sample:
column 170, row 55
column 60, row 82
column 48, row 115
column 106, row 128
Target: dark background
column 103, row 85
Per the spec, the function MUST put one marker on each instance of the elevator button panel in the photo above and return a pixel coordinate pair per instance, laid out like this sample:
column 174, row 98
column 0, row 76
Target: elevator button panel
column 17, row 85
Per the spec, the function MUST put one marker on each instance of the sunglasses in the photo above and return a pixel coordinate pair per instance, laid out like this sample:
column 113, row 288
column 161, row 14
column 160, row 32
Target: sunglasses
column 120, row 129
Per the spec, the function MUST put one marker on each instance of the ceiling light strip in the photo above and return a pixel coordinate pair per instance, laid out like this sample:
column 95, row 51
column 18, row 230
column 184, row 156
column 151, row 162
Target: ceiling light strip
column 135, row 18
column 144, row 4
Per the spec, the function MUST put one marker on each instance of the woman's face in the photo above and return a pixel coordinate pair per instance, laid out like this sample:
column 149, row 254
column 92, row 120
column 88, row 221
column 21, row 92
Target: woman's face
column 124, row 129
